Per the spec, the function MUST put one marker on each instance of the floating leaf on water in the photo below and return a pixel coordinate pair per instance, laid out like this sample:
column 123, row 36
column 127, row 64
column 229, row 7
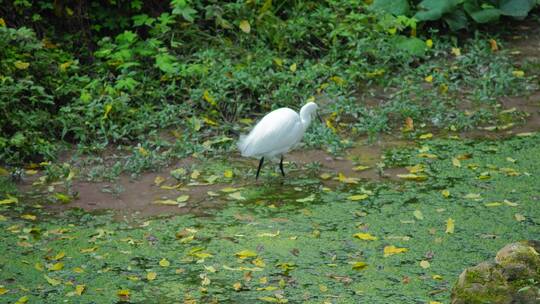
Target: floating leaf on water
column 79, row 289
column 365, row 236
column 172, row 187
column 166, row 202
column 445, row 193
column 424, row 264
column 413, row 177
column 150, row 276
column 53, row 282
column 268, row 234
column 391, row 250
column 426, row 136
column 245, row 26
column 237, row 196
column 29, row 217
column 56, row 266
column 244, row 254
column 158, row 180
column 450, row 226
column 360, row 168
column 519, row 217
column 357, row 197
column 416, row 168
column 418, row 214
column 237, row 286
column 229, row 189
column 182, row 198
column 347, row 180
column 325, row 176
column 525, row 134
column 359, row 265
column 9, row 200
column 511, row 204
column 164, row 262
column 178, row 173
column 309, row 198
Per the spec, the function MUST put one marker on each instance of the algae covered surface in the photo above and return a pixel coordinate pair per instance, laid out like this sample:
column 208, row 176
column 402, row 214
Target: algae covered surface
column 307, row 239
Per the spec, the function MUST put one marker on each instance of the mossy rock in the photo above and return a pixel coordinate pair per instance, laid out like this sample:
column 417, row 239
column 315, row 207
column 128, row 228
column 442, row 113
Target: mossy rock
column 513, row 277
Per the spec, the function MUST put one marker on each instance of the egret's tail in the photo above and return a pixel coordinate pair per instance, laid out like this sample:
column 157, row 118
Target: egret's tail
column 242, row 144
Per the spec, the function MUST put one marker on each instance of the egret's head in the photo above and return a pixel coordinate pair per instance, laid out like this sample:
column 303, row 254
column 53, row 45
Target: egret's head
column 309, row 108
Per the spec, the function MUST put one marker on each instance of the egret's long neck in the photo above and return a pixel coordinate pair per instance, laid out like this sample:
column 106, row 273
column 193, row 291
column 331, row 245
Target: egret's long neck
column 305, row 116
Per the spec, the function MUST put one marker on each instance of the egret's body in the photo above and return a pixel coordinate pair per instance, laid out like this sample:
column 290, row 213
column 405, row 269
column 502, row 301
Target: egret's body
column 276, row 134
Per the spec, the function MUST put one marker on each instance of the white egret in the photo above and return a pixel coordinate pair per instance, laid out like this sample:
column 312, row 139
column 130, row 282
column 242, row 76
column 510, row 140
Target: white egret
column 277, row 133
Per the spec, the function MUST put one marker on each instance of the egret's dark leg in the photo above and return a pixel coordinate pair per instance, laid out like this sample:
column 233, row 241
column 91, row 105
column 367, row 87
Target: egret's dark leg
column 281, row 166
column 259, row 169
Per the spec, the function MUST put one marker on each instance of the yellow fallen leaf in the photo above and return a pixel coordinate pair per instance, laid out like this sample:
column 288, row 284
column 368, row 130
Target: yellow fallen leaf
column 268, row 234
column 60, row 255
column 450, row 226
column 359, row 265
column 306, row 199
column 429, row 43
column 165, row 202
column 357, row 197
column 426, row 136
column 244, row 254
column 494, row 47
column 413, row 177
column 158, row 180
column 107, row 110
column 171, row 187
column 456, row 51
column 509, row 203
column 435, row 302
column 418, row 214
column 245, row 26
column 164, row 263
column 445, row 193
column 22, row 300
column 31, row 172
column 237, row 286
column 123, row 293
column 195, row 174
column 525, row 134
column 88, row 250
column 325, row 176
column 409, row 124
column 473, row 196
column 416, row 168
column 9, row 200
column 391, row 250
column 519, row 217
column 21, row 65
column 237, row 196
column 29, row 217
column 182, row 198
column 437, row 277
column 259, row 262
column 79, row 289
column 150, row 276
column 493, row 204
column 57, row 266
column 273, row 300
column 427, row 155
column 78, row 270
column 456, row 162
column 229, row 189
column 208, row 98
column 52, row 281
column 228, row 173
column 292, row 68
column 429, row 79
column 424, row 264
column 3, row 290
column 347, row 180
column 2, row 22
column 323, row 288
column 360, row 168
column 365, row 236
column 518, row 73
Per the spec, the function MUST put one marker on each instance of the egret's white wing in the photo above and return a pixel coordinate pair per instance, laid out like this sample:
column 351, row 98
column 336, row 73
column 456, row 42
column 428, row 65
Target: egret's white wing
column 276, row 133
